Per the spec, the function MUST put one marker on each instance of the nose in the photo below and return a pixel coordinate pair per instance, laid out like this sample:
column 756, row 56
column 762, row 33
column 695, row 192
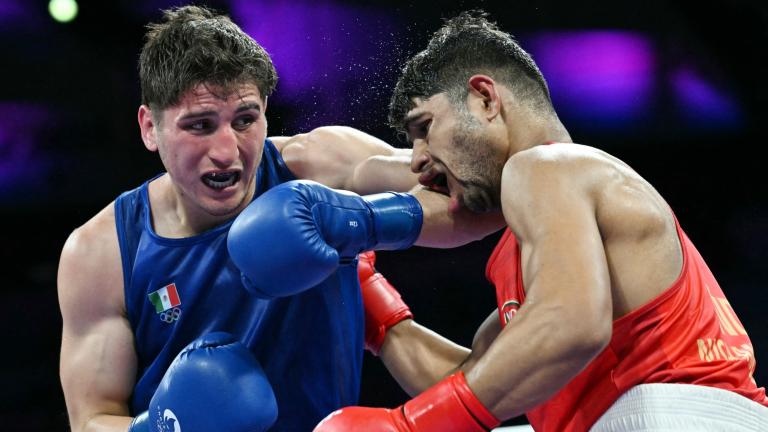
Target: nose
column 225, row 149
column 419, row 156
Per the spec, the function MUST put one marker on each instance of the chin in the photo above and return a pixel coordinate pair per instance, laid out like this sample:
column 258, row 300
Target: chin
column 225, row 212
column 230, row 207
column 479, row 201
column 476, row 208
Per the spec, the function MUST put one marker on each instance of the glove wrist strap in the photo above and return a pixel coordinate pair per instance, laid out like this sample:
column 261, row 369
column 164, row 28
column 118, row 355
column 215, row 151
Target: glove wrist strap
column 383, row 309
column 449, row 405
column 397, row 219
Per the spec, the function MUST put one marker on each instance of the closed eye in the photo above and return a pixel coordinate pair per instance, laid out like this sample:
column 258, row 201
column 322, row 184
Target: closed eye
column 419, row 129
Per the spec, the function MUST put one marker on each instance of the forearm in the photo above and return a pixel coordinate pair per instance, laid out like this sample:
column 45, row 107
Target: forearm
column 530, row 360
column 345, row 158
column 444, row 228
column 106, row 423
column 379, row 173
column 418, row 358
column 441, row 398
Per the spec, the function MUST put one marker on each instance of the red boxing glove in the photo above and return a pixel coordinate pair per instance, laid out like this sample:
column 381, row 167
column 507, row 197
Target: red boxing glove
column 383, row 306
column 448, row 406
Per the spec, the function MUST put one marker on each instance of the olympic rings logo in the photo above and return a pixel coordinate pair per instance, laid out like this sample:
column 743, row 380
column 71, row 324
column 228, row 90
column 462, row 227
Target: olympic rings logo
column 171, row 315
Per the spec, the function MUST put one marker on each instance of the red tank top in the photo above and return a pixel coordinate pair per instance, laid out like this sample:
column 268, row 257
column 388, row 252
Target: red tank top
column 688, row 334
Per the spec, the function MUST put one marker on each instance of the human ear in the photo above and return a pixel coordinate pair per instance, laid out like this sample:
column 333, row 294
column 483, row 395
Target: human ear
column 148, row 128
column 484, row 90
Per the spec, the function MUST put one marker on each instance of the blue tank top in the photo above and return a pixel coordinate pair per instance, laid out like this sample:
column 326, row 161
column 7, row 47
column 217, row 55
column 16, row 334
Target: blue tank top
column 310, row 345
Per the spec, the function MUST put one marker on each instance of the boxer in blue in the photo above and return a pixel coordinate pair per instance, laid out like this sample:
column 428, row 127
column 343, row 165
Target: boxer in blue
column 144, row 283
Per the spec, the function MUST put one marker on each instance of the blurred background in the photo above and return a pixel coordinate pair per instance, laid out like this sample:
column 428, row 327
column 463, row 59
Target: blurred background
column 677, row 89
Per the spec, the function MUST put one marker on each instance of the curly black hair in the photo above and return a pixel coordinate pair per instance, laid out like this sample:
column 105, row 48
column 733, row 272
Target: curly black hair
column 465, row 45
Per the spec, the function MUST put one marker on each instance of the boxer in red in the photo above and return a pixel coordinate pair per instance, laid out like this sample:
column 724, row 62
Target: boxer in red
column 608, row 317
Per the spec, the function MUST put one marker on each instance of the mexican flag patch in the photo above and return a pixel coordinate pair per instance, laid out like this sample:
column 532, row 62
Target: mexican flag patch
column 165, row 298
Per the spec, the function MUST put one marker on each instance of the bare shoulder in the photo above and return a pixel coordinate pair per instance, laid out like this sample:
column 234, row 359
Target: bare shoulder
column 573, row 171
column 90, row 281
column 573, row 161
column 574, row 164
column 94, row 243
column 545, row 176
column 624, row 203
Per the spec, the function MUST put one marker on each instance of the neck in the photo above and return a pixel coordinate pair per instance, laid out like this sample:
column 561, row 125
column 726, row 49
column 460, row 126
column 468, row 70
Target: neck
column 540, row 130
column 172, row 217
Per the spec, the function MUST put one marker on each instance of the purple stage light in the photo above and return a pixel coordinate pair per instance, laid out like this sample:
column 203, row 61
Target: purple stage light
column 21, row 15
column 701, row 103
column 21, row 162
column 12, row 9
column 600, row 79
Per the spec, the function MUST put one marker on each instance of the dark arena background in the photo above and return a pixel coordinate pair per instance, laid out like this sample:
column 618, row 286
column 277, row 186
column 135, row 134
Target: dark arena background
column 676, row 89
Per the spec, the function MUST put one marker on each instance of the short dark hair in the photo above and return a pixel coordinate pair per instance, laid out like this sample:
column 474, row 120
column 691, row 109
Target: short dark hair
column 195, row 45
column 466, row 45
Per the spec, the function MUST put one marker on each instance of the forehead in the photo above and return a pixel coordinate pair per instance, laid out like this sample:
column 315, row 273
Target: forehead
column 204, row 94
column 435, row 105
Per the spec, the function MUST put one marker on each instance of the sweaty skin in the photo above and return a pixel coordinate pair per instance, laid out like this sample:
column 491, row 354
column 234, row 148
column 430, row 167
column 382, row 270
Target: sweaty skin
column 597, row 241
column 210, row 147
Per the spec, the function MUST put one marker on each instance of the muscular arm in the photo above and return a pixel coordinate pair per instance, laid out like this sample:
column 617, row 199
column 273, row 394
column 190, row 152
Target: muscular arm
column 566, row 318
column 443, row 228
column 346, row 158
column 418, row 357
column 98, row 363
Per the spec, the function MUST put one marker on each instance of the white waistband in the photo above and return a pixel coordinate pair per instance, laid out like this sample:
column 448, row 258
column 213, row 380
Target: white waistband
column 682, row 407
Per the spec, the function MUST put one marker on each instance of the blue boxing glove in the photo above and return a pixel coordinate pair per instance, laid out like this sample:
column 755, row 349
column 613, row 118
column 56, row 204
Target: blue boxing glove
column 296, row 234
column 214, row 383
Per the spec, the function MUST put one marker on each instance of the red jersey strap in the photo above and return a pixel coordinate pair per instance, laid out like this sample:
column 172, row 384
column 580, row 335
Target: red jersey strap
column 505, row 273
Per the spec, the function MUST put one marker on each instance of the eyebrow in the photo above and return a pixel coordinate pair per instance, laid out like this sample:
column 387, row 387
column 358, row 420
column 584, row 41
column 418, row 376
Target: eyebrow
column 411, row 118
column 249, row 106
